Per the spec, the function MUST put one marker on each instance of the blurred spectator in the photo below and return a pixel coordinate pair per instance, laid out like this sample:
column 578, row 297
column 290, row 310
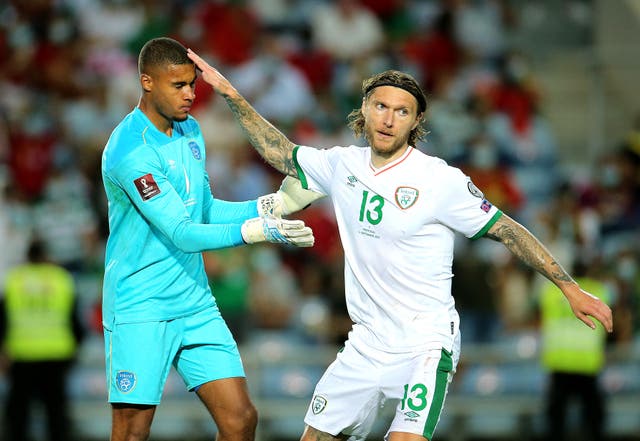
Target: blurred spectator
column 230, row 30
column 475, row 292
column 273, row 292
column 481, row 161
column 277, row 89
column 229, row 275
column 346, row 30
column 574, row 356
column 434, row 51
column 481, row 26
column 40, row 330
column 524, row 134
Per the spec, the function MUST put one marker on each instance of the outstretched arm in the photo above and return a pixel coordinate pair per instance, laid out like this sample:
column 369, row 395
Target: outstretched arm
column 529, row 250
column 270, row 142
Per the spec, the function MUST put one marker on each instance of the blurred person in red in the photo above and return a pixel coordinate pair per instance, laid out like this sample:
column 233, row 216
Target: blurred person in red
column 40, row 331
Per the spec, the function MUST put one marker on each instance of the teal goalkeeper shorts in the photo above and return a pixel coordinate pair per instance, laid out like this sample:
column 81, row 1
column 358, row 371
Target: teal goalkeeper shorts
column 140, row 355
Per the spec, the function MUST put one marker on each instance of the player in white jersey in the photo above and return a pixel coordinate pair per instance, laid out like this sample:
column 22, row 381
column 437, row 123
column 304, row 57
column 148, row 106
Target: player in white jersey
column 397, row 211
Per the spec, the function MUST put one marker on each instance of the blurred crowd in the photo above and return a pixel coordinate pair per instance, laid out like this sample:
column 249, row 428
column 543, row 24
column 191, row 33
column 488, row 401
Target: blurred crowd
column 68, row 75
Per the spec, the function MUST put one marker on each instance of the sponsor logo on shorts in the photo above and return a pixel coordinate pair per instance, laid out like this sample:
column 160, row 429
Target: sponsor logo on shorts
column 406, row 197
column 147, row 187
column 125, row 381
column 411, row 414
column 195, row 150
column 318, row 404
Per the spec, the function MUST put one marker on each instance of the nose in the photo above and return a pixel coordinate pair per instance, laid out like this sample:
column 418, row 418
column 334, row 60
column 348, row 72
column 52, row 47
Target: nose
column 190, row 93
column 388, row 119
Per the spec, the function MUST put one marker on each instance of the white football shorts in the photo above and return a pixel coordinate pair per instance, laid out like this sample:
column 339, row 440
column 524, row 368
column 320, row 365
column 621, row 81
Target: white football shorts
column 356, row 387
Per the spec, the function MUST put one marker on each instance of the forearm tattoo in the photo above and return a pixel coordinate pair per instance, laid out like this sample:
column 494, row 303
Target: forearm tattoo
column 268, row 141
column 528, row 249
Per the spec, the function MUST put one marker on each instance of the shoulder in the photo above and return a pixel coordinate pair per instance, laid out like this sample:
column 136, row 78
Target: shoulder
column 435, row 166
column 128, row 139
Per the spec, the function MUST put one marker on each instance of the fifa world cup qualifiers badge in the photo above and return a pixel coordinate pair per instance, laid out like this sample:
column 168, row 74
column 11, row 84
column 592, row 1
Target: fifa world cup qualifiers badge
column 125, row 381
column 147, row 187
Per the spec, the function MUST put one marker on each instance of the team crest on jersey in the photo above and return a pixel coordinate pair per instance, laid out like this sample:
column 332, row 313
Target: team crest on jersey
column 318, row 404
column 125, row 381
column 406, row 197
column 195, row 150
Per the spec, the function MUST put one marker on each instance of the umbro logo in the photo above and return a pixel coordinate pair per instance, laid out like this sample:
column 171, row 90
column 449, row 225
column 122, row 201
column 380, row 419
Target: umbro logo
column 351, row 181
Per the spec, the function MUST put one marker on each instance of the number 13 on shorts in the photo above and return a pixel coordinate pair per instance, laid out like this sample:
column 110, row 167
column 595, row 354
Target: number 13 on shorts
column 422, row 401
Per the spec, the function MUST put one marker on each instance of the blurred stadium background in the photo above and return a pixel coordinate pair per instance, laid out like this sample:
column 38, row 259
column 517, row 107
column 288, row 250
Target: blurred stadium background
column 536, row 100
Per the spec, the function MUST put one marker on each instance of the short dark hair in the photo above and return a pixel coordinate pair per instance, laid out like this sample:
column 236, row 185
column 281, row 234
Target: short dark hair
column 161, row 51
column 393, row 78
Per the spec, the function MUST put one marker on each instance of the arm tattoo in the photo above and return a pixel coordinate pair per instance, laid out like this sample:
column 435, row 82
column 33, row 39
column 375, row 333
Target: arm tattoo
column 528, row 249
column 268, row 141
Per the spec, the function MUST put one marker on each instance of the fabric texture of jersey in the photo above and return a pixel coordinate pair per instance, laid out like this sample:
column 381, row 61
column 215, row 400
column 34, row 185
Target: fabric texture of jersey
column 161, row 216
column 397, row 225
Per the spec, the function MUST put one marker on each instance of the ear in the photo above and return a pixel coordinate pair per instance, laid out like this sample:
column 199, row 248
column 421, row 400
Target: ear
column 364, row 104
column 146, row 82
column 418, row 120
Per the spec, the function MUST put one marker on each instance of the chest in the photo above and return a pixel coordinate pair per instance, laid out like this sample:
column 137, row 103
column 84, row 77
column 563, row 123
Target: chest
column 392, row 204
column 183, row 164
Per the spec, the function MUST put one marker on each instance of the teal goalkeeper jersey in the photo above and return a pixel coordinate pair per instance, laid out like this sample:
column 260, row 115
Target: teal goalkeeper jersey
column 162, row 215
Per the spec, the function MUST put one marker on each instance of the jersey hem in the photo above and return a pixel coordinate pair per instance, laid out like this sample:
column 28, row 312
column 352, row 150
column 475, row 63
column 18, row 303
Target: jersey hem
column 487, row 226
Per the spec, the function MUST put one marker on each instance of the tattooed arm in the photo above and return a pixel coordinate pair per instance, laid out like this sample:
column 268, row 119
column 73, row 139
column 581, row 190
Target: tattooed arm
column 529, row 250
column 270, row 142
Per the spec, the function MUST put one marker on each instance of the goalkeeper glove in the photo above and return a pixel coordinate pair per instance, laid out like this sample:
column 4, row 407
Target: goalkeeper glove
column 291, row 197
column 277, row 230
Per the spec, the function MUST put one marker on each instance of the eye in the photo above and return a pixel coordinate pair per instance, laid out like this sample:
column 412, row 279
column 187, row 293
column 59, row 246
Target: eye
column 404, row 112
column 380, row 106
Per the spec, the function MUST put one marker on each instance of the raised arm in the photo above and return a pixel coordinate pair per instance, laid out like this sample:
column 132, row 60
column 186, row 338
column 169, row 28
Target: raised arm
column 532, row 252
column 270, row 142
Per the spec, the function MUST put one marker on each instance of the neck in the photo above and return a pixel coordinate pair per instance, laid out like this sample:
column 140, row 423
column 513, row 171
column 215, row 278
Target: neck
column 380, row 159
column 160, row 122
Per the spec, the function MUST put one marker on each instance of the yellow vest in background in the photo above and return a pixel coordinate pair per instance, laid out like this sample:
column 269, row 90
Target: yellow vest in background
column 568, row 345
column 39, row 301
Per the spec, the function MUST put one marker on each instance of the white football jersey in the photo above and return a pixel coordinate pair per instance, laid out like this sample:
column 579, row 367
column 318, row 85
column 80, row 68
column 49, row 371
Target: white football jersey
column 397, row 226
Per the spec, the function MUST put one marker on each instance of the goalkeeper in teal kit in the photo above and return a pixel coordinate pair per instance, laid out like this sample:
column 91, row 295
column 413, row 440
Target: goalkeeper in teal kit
column 158, row 309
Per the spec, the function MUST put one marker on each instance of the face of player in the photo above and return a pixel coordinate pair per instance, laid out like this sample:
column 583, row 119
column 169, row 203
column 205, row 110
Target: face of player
column 169, row 94
column 390, row 114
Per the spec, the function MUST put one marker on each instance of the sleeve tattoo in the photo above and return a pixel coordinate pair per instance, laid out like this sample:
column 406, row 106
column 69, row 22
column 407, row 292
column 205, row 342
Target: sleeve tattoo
column 524, row 245
column 268, row 141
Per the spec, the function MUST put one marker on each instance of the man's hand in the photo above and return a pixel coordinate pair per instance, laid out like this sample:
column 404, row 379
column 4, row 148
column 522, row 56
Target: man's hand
column 291, row 197
column 585, row 306
column 276, row 230
column 211, row 75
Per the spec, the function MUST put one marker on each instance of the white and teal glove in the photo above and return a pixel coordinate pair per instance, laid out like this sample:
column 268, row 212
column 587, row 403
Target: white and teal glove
column 291, row 197
column 277, row 230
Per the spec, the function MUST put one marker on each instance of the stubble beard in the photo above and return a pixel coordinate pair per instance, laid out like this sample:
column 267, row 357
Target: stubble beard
column 386, row 152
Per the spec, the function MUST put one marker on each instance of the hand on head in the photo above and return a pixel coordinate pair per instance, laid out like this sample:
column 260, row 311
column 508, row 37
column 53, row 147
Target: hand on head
column 211, row 75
